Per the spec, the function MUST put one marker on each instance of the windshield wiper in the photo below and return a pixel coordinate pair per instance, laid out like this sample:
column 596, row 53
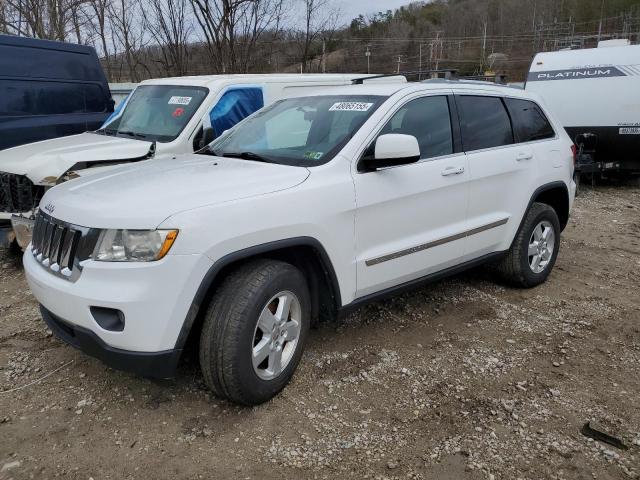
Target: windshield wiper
column 106, row 131
column 248, row 156
column 132, row 134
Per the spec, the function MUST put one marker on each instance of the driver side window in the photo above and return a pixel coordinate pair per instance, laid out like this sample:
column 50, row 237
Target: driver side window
column 428, row 120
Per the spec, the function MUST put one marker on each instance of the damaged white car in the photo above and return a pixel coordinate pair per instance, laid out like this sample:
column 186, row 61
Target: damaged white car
column 161, row 117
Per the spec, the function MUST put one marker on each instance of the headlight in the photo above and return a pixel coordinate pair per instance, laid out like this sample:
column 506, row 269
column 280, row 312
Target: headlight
column 133, row 245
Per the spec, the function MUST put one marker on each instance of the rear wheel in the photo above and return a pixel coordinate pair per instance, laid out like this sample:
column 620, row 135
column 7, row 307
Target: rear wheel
column 254, row 331
column 533, row 253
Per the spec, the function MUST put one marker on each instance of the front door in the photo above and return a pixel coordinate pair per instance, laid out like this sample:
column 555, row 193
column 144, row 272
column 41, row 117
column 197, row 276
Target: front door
column 411, row 219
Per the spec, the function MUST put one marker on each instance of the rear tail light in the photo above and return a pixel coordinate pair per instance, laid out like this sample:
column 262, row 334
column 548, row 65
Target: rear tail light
column 574, row 152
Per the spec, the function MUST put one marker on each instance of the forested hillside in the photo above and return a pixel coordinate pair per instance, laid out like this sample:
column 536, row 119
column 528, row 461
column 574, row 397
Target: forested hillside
column 139, row 39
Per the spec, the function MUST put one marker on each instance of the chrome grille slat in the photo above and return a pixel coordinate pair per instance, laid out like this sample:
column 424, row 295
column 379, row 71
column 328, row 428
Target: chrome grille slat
column 34, row 235
column 46, row 246
column 65, row 251
column 55, row 245
column 58, row 245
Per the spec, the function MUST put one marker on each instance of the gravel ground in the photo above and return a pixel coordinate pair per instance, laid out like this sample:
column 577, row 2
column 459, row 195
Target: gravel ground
column 463, row 379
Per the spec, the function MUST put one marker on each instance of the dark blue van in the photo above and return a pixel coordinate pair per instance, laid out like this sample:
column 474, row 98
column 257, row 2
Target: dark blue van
column 48, row 90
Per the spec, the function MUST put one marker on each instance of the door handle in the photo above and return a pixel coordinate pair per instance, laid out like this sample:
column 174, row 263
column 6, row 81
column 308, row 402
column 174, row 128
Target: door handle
column 524, row 156
column 452, row 171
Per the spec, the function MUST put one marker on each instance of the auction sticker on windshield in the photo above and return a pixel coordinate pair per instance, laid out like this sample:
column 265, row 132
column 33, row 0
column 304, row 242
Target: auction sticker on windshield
column 180, row 100
column 350, row 107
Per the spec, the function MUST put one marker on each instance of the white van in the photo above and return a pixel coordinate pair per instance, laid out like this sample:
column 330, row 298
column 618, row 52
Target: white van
column 595, row 92
column 161, row 117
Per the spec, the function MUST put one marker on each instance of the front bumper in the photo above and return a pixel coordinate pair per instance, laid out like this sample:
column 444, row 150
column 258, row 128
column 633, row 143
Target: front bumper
column 147, row 364
column 153, row 297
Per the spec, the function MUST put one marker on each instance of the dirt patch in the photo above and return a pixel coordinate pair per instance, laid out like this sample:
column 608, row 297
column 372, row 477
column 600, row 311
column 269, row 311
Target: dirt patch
column 463, row 379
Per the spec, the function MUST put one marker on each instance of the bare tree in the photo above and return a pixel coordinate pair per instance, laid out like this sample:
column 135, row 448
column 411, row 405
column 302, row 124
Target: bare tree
column 127, row 39
column 167, row 21
column 97, row 12
column 319, row 18
column 231, row 28
column 49, row 19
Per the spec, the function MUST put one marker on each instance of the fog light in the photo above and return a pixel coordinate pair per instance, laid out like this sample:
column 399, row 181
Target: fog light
column 108, row 318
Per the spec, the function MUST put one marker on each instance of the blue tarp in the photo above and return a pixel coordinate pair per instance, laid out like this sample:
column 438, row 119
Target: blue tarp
column 235, row 105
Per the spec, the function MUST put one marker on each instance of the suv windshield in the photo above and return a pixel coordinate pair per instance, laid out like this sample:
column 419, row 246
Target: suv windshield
column 304, row 131
column 156, row 112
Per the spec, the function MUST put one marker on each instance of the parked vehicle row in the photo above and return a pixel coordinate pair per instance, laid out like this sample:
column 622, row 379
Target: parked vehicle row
column 313, row 205
column 161, row 117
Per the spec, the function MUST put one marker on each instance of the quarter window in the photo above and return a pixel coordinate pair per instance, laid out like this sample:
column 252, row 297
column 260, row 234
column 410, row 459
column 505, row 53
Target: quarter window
column 429, row 121
column 529, row 122
column 485, row 122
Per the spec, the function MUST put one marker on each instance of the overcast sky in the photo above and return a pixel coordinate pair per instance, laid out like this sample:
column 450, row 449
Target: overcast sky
column 352, row 8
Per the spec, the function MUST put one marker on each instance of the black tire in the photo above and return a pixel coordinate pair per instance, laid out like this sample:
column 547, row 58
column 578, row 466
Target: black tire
column 229, row 328
column 514, row 267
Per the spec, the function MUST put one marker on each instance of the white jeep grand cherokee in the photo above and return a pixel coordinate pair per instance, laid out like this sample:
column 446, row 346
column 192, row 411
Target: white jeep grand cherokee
column 308, row 208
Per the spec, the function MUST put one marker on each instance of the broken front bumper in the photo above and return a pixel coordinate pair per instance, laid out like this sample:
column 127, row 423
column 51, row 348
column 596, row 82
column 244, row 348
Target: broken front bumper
column 7, row 235
column 22, row 229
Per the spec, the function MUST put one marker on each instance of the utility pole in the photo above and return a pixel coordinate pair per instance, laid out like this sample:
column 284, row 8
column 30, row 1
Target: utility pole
column 438, row 46
column 484, row 48
column 420, row 63
column 368, row 55
column 324, row 56
column 601, row 16
column 399, row 60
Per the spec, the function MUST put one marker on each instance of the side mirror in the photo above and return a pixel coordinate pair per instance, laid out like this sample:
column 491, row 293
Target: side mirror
column 208, row 135
column 391, row 150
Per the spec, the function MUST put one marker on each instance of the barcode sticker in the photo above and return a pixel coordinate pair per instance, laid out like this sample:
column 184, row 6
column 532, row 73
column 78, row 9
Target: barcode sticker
column 350, row 107
column 180, row 100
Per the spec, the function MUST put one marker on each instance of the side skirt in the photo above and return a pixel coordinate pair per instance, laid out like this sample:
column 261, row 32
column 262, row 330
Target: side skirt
column 417, row 283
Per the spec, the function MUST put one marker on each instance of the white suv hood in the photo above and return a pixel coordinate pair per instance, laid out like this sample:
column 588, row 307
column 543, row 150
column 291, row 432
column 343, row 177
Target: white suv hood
column 142, row 195
column 43, row 162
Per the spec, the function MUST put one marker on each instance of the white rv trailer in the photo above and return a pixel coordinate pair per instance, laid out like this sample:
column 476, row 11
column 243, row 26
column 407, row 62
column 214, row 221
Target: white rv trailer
column 595, row 91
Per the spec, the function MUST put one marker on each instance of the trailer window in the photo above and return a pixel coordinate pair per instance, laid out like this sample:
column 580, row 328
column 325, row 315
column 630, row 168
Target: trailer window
column 485, row 122
column 529, row 122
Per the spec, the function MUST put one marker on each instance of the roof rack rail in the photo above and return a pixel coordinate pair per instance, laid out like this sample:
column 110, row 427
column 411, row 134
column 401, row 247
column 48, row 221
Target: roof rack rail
column 445, row 74
column 360, row 81
column 448, row 74
column 498, row 78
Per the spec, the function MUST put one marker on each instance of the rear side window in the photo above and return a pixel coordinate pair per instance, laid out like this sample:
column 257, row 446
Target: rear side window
column 49, row 98
column 485, row 122
column 529, row 122
column 429, row 121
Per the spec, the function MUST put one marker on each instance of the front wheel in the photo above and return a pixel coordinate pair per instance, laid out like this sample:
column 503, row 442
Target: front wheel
column 533, row 253
column 254, row 331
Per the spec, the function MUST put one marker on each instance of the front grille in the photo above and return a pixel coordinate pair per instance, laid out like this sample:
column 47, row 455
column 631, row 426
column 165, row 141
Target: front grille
column 60, row 246
column 18, row 194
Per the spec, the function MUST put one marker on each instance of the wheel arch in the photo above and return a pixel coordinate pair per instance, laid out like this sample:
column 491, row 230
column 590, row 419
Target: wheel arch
column 306, row 253
column 554, row 194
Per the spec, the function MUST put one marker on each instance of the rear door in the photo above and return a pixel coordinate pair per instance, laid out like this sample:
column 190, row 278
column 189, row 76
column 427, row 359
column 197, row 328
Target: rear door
column 411, row 219
column 500, row 171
